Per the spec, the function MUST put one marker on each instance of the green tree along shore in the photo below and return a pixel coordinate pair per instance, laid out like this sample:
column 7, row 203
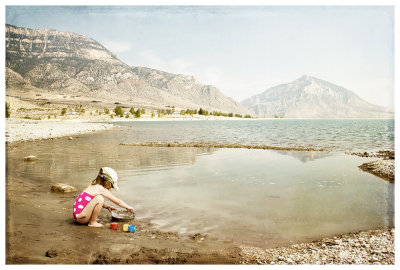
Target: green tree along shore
column 162, row 112
column 119, row 111
column 201, row 111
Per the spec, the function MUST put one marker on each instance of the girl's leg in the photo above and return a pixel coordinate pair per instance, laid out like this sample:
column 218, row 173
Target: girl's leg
column 91, row 212
column 96, row 211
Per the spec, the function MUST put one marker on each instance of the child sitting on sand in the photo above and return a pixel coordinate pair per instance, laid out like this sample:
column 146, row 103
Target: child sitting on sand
column 89, row 203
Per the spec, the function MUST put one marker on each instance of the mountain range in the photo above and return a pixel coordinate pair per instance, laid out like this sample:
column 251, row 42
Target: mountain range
column 78, row 65
column 310, row 97
column 70, row 64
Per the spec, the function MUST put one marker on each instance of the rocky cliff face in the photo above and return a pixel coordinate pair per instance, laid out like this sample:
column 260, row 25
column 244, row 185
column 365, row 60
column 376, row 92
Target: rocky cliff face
column 309, row 97
column 75, row 64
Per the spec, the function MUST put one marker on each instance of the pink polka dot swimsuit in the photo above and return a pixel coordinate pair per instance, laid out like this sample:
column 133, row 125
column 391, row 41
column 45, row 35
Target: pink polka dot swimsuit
column 81, row 202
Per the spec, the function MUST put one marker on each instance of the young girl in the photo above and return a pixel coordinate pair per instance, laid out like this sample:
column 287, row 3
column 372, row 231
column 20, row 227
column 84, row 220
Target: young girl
column 89, row 203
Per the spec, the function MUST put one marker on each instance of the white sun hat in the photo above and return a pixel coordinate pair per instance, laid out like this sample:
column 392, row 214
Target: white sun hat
column 110, row 175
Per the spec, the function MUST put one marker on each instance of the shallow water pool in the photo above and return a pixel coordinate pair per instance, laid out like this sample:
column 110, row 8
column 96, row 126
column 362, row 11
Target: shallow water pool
column 258, row 197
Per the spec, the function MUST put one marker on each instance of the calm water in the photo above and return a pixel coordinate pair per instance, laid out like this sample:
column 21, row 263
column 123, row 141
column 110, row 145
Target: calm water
column 258, row 197
column 352, row 135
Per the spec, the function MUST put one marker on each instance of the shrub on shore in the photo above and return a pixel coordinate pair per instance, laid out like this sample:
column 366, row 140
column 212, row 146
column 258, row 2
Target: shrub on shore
column 137, row 113
column 204, row 112
column 118, row 111
column 63, row 111
column 8, row 113
column 191, row 112
column 32, row 118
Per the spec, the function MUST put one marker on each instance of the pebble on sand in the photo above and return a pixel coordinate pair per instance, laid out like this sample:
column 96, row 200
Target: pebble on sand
column 30, row 158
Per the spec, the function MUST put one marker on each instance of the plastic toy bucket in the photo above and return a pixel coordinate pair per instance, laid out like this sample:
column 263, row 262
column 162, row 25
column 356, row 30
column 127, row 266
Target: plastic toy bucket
column 132, row 228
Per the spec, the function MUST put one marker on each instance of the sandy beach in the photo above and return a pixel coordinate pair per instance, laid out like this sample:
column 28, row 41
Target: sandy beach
column 19, row 130
column 56, row 239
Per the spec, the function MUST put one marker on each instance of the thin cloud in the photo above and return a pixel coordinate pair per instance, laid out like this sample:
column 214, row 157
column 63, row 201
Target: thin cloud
column 117, row 46
column 177, row 65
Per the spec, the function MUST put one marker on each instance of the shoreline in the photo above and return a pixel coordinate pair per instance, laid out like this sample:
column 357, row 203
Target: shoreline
column 364, row 247
column 149, row 245
column 25, row 130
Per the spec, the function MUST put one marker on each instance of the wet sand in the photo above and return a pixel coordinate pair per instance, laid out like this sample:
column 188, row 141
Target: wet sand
column 40, row 230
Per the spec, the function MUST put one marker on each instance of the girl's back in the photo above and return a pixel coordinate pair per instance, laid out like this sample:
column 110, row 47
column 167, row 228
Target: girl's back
column 94, row 190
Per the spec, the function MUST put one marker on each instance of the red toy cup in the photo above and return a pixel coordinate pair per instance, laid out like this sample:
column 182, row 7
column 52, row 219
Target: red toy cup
column 114, row 226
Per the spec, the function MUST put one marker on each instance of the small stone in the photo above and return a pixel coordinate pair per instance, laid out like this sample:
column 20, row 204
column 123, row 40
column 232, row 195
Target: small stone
column 116, row 249
column 51, row 253
column 344, row 254
column 374, row 259
column 70, row 138
column 199, row 237
column 331, row 242
column 30, row 158
column 59, row 187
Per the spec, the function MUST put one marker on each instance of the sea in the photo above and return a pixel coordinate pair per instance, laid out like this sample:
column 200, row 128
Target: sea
column 256, row 197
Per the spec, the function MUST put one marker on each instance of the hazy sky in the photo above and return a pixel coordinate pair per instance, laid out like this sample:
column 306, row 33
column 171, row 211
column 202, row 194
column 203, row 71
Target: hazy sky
column 241, row 50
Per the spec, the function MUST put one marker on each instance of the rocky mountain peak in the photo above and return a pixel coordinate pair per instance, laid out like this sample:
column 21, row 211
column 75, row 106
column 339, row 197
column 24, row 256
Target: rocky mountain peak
column 46, row 43
column 310, row 97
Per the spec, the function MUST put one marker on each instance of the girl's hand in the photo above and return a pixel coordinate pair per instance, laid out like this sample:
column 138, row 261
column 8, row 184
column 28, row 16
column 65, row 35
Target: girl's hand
column 130, row 209
column 110, row 208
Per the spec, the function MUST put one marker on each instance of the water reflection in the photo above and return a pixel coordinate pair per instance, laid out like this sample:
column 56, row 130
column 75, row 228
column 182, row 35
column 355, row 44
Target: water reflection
column 258, row 196
column 77, row 162
column 305, row 156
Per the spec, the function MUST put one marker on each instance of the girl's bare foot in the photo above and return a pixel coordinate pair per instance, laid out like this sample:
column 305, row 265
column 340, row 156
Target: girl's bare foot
column 95, row 224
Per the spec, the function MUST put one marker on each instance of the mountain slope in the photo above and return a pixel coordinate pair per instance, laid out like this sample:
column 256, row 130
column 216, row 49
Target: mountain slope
column 309, row 97
column 75, row 64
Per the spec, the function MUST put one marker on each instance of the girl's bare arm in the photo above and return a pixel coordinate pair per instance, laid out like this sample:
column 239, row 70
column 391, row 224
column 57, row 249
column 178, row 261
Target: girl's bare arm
column 107, row 194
